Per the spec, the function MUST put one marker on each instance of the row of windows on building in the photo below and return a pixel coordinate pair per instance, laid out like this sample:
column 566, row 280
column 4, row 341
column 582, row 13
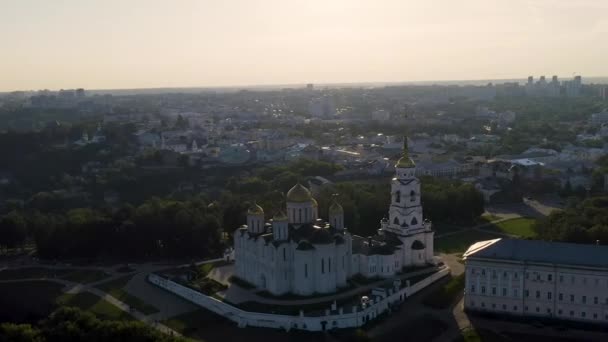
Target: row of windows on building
column 540, row 277
column 270, row 252
column 560, row 312
column 373, row 269
column 308, row 214
column 538, row 295
column 398, row 196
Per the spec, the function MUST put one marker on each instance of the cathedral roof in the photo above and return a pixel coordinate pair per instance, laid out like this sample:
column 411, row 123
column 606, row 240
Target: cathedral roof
column 406, row 181
column 335, row 208
column 321, row 236
column 304, row 245
column 371, row 246
column 389, row 238
column 267, row 237
column 280, row 216
column 299, row 193
column 315, row 234
column 255, row 209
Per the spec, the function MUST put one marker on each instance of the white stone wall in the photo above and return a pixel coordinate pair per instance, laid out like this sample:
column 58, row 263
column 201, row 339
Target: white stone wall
column 553, row 291
column 341, row 318
column 325, row 268
column 304, row 272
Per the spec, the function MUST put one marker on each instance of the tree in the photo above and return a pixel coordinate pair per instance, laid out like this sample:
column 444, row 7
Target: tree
column 19, row 333
column 12, row 230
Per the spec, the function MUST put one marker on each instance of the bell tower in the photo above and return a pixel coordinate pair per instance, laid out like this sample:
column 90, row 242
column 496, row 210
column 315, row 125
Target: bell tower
column 405, row 212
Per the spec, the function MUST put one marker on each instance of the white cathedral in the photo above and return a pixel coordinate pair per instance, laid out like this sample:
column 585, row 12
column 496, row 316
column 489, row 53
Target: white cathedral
column 302, row 254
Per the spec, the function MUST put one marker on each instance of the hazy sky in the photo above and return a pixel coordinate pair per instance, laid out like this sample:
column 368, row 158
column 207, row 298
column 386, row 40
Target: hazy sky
column 175, row 43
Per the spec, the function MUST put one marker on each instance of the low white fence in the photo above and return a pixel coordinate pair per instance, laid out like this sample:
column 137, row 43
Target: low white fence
column 333, row 319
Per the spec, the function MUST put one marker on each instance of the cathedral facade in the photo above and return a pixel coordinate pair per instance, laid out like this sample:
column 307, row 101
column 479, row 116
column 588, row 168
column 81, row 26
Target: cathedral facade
column 298, row 252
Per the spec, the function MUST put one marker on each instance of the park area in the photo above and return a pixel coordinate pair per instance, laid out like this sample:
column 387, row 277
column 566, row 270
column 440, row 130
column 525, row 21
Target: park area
column 453, row 239
column 29, row 301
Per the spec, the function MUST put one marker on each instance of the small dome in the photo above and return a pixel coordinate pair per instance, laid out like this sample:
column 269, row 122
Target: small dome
column 335, row 208
column 299, row 193
column 280, row 216
column 255, row 209
column 405, row 162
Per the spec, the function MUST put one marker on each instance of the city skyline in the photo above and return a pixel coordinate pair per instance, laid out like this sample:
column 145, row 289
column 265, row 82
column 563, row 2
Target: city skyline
column 160, row 44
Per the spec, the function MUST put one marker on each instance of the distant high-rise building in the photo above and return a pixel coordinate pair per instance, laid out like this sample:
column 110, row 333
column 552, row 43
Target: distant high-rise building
column 573, row 88
column 543, row 88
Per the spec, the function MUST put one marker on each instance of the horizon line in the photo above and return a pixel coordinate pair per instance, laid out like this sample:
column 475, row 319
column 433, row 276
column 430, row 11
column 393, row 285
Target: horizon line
column 302, row 84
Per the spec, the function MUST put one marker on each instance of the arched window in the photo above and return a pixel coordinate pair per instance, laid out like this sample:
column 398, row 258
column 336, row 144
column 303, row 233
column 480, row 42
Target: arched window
column 396, row 220
column 398, row 196
column 414, row 221
column 412, row 196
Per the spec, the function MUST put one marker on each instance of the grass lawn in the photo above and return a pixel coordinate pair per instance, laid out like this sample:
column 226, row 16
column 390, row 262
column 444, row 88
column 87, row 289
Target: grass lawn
column 446, row 295
column 459, row 242
column 207, row 326
column 85, row 276
column 90, row 302
column 115, row 288
column 442, row 228
column 521, row 227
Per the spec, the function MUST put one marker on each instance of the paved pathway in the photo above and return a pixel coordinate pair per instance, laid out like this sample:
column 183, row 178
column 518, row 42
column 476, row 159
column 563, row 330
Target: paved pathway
column 169, row 305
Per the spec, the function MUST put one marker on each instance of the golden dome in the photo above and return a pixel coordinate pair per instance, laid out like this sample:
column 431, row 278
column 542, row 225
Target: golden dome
column 299, row 193
column 280, row 216
column 405, row 161
column 335, row 208
column 255, row 209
